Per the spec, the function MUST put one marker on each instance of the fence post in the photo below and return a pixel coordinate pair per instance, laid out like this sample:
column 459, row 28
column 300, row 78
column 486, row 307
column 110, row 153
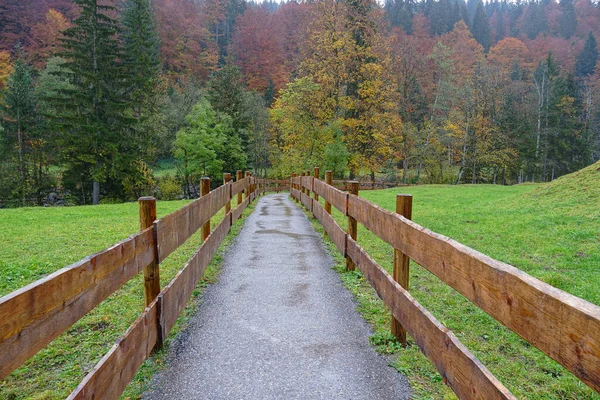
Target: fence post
column 401, row 263
column 293, row 185
column 226, row 180
column 308, row 190
column 317, row 176
column 329, row 181
column 247, row 191
column 205, row 190
column 147, row 206
column 352, row 224
column 238, row 177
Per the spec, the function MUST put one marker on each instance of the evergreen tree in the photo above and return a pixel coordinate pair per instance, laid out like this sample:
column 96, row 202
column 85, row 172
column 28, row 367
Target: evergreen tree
column 536, row 21
column 226, row 93
column 568, row 147
column 472, row 7
column 464, row 12
column 19, row 115
column 568, row 20
column 93, row 125
column 587, row 59
column 141, row 45
column 514, row 14
column 481, row 27
column 500, row 26
column 440, row 18
column 269, row 96
column 142, row 64
column 400, row 13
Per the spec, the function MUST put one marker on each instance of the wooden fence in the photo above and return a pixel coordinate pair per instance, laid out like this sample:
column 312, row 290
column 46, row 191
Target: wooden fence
column 36, row 314
column 367, row 184
column 274, row 185
column 561, row 325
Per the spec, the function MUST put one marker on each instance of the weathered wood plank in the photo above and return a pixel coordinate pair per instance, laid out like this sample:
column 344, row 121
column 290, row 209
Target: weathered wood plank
column 353, row 188
column 239, row 210
column 177, row 293
column 295, row 193
column 332, row 195
column 174, row 229
column 306, row 201
column 561, row 325
column 306, row 182
column 112, row 374
column 36, row 314
column 240, row 186
column 335, row 232
column 461, row 370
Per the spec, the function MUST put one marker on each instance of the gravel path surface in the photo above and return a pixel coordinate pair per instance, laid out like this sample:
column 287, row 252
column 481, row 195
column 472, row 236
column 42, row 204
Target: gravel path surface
column 278, row 324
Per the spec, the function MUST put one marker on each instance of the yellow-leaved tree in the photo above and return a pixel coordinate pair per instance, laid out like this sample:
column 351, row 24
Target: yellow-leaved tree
column 6, row 68
column 349, row 58
column 299, row 128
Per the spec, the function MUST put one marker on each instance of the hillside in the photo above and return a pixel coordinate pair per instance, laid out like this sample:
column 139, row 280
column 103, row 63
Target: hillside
column 579, row 187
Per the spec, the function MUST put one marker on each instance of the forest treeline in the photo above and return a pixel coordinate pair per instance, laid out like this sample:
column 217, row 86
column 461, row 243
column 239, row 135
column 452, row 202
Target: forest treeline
column 94, row 93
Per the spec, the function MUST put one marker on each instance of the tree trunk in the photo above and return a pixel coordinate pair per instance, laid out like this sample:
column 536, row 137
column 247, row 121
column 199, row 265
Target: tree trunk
column 21, row 164
column 463, row 162
column 96, row 193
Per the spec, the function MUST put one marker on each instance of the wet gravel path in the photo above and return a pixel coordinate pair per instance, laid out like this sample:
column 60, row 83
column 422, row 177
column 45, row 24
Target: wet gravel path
column 277, row 325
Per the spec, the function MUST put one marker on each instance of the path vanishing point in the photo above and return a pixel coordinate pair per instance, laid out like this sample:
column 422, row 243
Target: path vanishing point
column 278, row 324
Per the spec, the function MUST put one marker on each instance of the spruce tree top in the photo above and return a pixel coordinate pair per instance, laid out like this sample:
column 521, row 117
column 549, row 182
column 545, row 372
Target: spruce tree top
column 586, row 61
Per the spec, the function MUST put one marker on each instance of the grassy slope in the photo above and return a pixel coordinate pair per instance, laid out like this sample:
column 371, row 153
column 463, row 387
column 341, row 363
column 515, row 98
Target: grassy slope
column 550, row 231
column 38, row 241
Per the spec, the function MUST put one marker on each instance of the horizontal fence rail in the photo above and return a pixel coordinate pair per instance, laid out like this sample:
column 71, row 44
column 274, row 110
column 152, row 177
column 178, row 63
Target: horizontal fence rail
column 366, row 184
column 563, row 326
column 36, row 314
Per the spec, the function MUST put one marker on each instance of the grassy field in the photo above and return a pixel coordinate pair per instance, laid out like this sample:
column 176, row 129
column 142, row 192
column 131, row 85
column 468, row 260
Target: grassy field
column 550, row 231
column 38, row 241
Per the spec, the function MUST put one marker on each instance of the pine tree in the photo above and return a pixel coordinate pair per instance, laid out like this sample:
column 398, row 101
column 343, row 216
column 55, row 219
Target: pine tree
column 536, row 21
column 18, row 113
column 440, row 18
column 269, row 96
column 142, row 64
column 141, row 44
column 586, row 61
column 568, row 20
column 93, row 125
column 226, row 93
column 500, row 26
column 481, row 27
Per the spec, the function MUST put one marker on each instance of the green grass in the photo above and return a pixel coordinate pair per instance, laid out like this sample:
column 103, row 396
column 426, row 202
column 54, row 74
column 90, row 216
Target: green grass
column 166, row 167
column 39, row 241
column 551, row 232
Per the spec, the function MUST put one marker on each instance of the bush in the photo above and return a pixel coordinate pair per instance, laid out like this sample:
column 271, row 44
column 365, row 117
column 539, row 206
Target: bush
column 140, row 182
column 169, row 188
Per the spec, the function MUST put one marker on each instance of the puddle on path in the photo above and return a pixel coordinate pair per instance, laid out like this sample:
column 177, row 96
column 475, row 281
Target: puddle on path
column 299, row 295
column 278, row 232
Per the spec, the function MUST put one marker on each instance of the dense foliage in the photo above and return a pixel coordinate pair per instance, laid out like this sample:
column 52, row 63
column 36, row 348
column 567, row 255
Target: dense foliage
column 97, row 94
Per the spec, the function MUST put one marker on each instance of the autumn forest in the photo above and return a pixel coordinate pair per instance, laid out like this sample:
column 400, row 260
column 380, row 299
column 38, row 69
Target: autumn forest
column 109, row 100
